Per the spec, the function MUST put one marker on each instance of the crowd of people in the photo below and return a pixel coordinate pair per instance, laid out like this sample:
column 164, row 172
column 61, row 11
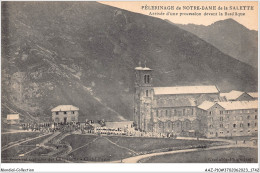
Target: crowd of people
column 53, row 127
column 90, row 128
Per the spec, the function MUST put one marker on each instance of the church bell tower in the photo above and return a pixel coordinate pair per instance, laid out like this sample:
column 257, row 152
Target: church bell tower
column 143, row 97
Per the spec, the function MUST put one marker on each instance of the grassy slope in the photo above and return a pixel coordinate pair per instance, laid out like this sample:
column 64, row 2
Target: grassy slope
column 12, row 137
column 36, row 141
column 237, row 155
column 99, row 150
column 148, row 144
column 76, row 141
column 102, row 148
column 15, row 151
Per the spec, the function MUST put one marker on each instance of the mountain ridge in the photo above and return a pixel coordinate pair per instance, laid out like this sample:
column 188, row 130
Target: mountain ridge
column 84, row 54
column 230, row 37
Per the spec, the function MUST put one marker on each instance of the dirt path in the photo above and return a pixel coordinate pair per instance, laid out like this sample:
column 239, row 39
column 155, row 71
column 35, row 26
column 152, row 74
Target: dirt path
column 83, row 145
column 206, row 139
column 135, row 159
column 18, row 131
column 120, row 146
column 42, row 144
column 60, row 137
column 29, row 151
column 49, row 138
column 19, row 143
column 69, row 149
column 55, row 138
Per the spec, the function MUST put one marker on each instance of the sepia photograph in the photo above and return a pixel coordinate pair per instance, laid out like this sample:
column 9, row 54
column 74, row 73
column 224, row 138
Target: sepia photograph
column 129, row 82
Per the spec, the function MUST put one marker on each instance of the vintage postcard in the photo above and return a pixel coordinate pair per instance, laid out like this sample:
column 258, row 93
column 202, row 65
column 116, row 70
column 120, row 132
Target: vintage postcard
column 129, row 82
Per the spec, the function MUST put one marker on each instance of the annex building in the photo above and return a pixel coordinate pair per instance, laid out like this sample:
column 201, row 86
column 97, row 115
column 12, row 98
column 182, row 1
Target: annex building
column 231, row 118
column 191, row 110
column 13, row 119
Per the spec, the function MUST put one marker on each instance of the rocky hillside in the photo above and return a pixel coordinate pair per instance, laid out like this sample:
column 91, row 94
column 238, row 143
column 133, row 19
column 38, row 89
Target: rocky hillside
column 230, row 37
column 84, row 54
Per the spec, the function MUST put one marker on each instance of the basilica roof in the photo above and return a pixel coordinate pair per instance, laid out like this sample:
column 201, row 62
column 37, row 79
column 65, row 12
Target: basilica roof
column 185, row 90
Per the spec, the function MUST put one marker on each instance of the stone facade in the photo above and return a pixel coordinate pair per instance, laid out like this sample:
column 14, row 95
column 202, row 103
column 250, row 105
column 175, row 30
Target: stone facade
column 166, row 113
column 222, row 122
column 65, row 114
column 181, row 110
column 143, row 98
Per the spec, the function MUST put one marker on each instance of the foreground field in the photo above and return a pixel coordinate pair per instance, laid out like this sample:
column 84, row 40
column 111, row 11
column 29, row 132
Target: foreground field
column 15, row 151
column 67, row 147
column 22, row 148
column 12, row 137
column 99, row 151
column 76, row 141
column 151, row 144
column 228, row 155
column 109, row 148
column 37, row 141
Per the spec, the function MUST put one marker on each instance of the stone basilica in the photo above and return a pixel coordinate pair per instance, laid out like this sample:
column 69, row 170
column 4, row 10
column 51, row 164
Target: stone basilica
column 180, row 110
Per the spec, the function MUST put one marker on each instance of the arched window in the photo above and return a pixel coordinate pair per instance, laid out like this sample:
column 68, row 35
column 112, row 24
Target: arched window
column 147, row 93
column 146, row 78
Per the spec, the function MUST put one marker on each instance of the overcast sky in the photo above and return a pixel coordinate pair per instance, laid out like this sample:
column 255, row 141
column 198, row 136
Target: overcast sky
column 250, row 20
